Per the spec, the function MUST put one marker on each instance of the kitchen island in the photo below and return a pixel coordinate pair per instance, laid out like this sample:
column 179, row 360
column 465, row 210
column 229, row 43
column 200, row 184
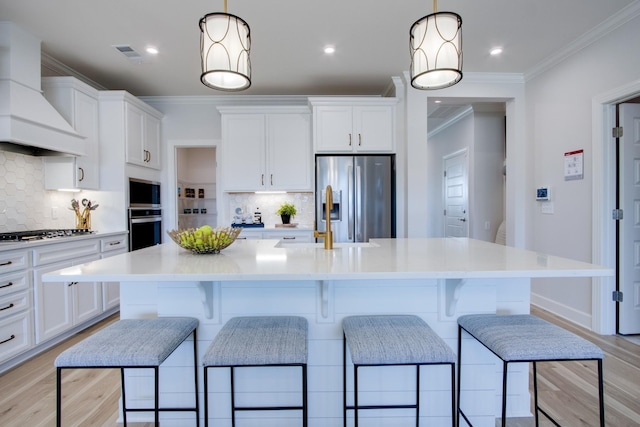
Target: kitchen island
column 437, row 279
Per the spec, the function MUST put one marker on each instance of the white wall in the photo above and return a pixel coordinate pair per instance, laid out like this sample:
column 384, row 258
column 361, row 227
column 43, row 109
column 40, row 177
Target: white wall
column 487, row 185
column 559, row 119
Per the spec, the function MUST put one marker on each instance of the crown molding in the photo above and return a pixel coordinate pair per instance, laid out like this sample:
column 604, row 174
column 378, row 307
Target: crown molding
column 57, row 68
column 610, row 24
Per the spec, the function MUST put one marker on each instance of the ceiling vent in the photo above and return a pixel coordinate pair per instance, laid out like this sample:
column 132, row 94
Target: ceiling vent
column 131, row 54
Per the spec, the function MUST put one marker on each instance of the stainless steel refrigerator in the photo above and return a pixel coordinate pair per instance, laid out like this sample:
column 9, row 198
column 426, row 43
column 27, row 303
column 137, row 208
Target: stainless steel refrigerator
column 363, row 196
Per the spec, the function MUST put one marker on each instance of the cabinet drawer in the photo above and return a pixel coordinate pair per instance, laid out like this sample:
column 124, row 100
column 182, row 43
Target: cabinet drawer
column 113, row 243
column 14, row 282
column 291, row 236
column 245, row 234
column 15, row 335
column 65, row 251
column 13, row 260
column 14, row 303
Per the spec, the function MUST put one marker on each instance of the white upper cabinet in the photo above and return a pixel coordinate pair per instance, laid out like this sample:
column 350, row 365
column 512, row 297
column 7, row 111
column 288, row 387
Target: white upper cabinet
column 266, row 149
column 346, row 125
column 142, row 137
column 78, row 104
column 124, row 119
column 289, row 158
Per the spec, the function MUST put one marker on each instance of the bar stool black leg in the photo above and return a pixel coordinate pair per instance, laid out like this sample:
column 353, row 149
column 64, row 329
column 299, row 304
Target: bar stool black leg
column 124, row 398
column 505, row 368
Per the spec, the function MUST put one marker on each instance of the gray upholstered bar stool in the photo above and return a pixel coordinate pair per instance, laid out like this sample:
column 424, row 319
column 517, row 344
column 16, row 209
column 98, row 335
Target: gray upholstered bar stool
column 259, row 342
column 527, row 338
column 392, row 340
column 131, row 343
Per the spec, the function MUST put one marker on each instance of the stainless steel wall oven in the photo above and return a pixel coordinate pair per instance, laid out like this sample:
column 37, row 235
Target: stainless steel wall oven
column 145, row 214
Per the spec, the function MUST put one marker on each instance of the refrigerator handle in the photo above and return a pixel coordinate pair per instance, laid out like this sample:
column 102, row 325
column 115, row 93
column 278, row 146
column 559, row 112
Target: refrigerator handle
column 350, row 201
column 358, row 205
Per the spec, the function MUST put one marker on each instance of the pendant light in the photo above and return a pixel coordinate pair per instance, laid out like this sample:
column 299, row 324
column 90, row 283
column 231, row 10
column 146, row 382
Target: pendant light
column 225, row 42
column 436, row 50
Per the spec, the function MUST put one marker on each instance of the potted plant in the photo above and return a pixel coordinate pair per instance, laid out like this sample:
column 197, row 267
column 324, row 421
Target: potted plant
column 286, row 212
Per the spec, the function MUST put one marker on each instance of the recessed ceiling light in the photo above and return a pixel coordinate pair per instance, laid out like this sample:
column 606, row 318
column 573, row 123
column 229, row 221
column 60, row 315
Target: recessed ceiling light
column 329, row 50
column 437, row 101
column 495, row 51
column 152, row 50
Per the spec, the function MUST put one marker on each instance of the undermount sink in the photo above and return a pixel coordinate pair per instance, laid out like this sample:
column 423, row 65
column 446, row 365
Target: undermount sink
column 285, row 244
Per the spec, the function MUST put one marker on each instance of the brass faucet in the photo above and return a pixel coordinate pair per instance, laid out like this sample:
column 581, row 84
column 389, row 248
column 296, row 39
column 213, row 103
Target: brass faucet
column 327, row 235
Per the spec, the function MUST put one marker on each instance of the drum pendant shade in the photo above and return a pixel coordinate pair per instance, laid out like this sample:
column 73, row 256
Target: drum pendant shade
column 436, row 51
column 225, row 43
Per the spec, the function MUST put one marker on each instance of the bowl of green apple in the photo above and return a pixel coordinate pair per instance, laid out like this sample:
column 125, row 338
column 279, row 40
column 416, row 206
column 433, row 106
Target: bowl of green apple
column 205, row 239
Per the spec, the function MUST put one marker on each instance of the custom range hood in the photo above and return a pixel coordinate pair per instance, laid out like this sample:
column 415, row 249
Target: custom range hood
column 28, row 123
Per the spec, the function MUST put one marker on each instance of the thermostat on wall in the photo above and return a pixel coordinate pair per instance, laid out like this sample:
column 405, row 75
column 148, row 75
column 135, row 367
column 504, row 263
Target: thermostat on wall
column 543, row 193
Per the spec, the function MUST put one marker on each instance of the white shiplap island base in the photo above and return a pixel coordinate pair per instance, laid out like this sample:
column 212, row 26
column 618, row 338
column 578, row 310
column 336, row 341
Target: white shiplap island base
column 436, row 279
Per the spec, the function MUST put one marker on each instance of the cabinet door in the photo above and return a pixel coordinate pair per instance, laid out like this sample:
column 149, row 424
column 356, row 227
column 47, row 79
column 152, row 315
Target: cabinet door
column 151, row 147
column 87, row 296
column 111, row 290
column 53, row 304
column 243, row 151
column 289, row 148
column 333, row 129
column 134, row 128
column 373, row 128
column 87, row 174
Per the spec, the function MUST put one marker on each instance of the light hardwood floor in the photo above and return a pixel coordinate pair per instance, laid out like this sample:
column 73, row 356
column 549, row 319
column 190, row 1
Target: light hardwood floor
column 567, row 390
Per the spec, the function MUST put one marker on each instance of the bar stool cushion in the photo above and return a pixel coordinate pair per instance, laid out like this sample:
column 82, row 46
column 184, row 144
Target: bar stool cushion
column 394, row 340
column 129, row 343
column 259, row 340
column 526, row 337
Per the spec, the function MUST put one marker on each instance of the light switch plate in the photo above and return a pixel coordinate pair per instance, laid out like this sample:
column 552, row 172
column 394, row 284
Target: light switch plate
column 546, row 208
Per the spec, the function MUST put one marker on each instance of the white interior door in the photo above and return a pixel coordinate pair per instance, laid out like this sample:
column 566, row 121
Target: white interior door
column 456, row 195
column 629, row 240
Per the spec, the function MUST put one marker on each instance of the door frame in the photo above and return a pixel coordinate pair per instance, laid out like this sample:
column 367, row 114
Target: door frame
column 603, row 113
column 169, row 213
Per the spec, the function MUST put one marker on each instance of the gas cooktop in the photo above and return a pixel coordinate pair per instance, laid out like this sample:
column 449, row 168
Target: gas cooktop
column 28, row 236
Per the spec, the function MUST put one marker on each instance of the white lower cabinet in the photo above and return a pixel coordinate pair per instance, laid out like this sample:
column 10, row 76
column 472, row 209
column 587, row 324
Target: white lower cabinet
column 111, row 246
column 61, row 306
column 16, row 334
column 30, row 316
column 16, row 315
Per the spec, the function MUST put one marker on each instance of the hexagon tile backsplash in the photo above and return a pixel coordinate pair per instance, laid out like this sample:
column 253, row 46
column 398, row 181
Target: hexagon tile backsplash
column 24, row 204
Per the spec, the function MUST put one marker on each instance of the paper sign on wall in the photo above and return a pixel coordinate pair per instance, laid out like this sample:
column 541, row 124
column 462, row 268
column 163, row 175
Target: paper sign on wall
column 574, row 165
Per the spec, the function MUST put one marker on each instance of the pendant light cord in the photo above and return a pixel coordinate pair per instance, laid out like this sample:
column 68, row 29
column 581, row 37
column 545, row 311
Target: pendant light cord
column 435, row 5
column 225, row 5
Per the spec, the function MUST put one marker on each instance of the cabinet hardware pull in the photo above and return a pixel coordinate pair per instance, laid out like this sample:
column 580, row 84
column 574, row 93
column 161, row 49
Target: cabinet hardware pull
column 81, row 175
column 288, row 238
column 271, row 179
column 72, row 283
column 149, row 156
column 7, row 285
column 262, row 179
column 6, row 263
column 9, row 339
column 359, row 140
column 7, row 307
column 349, row 140
column 114, row 243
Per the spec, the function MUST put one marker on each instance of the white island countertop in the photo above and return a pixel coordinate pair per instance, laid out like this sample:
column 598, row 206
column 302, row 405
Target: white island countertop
column 412, row 258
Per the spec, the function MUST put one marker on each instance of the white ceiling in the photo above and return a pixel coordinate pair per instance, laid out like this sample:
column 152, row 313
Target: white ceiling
column 288, row 36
